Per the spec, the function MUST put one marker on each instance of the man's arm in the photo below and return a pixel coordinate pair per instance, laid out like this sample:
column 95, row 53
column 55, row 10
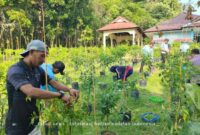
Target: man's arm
column 31, row 91
column 60, row 86
column 118, row 73
column 18, row 79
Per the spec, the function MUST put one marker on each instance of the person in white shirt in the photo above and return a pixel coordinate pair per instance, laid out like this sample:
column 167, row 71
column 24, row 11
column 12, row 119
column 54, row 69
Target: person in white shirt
column 165, row 48
column 184, row 47
column 147, row 52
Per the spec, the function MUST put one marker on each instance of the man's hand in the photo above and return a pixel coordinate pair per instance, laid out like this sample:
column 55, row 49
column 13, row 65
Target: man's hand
column 59, row 86
column 67, row 100
column 74, row 93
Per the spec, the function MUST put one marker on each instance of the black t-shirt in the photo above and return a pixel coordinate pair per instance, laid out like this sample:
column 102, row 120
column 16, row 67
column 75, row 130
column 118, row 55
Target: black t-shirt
column 23, row 115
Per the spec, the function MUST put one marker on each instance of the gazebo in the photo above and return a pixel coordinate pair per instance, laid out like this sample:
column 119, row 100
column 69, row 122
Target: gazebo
column 120, row 30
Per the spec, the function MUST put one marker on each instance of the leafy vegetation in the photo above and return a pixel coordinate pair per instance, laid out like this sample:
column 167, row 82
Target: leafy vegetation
column 69, row 28
column 73, row 23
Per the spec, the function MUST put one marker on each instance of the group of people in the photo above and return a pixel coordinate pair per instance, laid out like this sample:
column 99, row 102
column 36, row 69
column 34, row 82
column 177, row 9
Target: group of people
column 122, row 72
column 30, row 77
column 148, row 53
column 165, row 47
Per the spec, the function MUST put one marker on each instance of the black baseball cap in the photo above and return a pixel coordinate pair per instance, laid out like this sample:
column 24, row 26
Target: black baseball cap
column 60, row 66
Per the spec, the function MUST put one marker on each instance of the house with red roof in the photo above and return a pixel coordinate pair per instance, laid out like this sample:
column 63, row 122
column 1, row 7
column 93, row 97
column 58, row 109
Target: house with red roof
column 177, row 29
column 120, row 30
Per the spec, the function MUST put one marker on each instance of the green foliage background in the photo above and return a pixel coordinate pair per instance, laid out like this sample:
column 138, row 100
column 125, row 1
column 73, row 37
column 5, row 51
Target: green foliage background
column 74, row 22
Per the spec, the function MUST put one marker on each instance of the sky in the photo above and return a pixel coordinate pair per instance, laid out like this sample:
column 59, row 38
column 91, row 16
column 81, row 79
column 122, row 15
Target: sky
column 194, row 3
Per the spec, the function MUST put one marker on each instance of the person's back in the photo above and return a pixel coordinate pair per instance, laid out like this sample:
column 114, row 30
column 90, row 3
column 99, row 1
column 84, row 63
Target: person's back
column 147, row 51
column 50, row 73
column 147, row 55
column 195, row 60
column 195, row 57
column 122, row 72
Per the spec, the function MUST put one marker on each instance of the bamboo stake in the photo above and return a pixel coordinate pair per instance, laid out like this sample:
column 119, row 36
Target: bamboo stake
column 43, row 36
column 94, row 94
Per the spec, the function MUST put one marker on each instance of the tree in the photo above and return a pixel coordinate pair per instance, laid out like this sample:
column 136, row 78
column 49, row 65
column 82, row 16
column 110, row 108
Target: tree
column 160, row 11
column 2, row 3
column 20, row 18
column 86, row 36
column 67, row 22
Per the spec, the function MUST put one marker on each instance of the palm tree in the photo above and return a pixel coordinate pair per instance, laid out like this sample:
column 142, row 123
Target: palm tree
column 198, row 3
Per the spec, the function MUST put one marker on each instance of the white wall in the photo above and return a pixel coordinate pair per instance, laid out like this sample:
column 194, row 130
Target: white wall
column 173, row 35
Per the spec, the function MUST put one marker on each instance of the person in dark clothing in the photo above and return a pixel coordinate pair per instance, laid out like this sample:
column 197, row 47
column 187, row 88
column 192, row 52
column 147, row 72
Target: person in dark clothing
column 122, row 72
column 23, row 87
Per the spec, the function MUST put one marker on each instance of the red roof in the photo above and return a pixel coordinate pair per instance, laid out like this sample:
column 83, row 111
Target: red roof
column 118, row 24
column 173, row 24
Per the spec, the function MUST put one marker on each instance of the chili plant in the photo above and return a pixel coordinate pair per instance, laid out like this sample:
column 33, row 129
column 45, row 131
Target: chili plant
column 174, row 76
column 105, row 59
column 86, row 85
column 107, row 102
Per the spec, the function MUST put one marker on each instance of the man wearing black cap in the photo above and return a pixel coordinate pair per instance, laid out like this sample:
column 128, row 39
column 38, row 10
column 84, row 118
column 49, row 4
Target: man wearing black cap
column 23, row 87
column 52, row 69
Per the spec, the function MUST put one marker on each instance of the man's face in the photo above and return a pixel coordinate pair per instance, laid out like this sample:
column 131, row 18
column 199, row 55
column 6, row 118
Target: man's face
column 37, row 58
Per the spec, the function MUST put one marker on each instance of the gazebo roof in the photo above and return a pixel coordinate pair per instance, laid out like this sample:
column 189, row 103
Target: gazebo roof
column 118, row 24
